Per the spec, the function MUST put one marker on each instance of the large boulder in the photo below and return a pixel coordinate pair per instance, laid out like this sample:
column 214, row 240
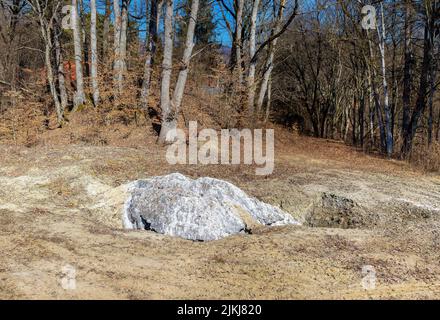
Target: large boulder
column 203, row 209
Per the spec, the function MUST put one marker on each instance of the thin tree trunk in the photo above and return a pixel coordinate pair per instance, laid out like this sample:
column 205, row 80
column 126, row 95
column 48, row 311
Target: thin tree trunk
column 123, row 46
column 94, row 50
column 151, row 51
column 361, row 117
column 432, row 80
column 80, row 97
column 48, row 45
column 372, row 84
column 165, row 100
column 184, row 68
column 85, row 40
column 117, row 39
column 269, row 100
column 238, row 41
column 268, row 66
column 407, row 76
column 159, row 13
column 106, row 29
column 266, row 76
column 253, row 64
column 424, row 88
column 61, row 72
column 388, row 129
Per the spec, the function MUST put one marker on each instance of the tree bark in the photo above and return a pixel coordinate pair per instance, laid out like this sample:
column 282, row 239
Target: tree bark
column 268, row 66
column 184, row 68
column 238, row 41
column 168, row 117
column 94, row 51
column 46, row 34
column 253, row 64
column 407, row 76
column 151, row 51
column 117, row 40
column 388, row 129
column 106, row 29
column 427, row 64
column 80, row 97
column 123, row 46
column 61, row 75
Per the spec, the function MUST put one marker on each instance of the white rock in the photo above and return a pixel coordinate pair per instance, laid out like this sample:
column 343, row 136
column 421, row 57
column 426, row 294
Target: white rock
column 203, row 209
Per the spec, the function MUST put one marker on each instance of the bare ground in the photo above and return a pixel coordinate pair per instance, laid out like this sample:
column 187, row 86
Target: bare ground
column 47, row 221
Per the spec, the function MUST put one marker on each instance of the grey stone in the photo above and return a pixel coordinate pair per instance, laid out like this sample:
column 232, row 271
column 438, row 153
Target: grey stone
column 204, row 209
column 333, row 211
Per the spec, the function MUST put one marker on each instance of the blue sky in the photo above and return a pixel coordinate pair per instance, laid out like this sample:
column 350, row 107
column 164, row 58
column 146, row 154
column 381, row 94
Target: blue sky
column 139, row 6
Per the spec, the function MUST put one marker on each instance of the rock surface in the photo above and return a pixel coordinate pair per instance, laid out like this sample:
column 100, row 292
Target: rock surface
column 333, row 211
column 204, row 209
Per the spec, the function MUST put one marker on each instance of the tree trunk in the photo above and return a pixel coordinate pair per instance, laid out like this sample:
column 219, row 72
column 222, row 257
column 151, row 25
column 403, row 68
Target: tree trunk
column 184, row 68
column 423, row 85
column 269, row 99
column 61, row 77
column 46, row 34
column 253, row 64
column 168, row 117
column 151, row 51
column 117, row 40
column 388, row 129
column 123, row 46
column 238, row 41
column 268, row 66
column 375, row 94
column 407, row 76
column 80, row 97
column 94, row 51
column 106, row 30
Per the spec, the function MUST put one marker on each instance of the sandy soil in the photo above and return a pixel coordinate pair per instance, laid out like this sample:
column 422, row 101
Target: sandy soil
column 48, row 220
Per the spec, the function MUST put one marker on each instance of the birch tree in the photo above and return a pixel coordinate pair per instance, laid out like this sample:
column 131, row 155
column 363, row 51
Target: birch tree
column 252, row 50
column 169, row 116
column 238, row 40
column 80, row 97
column 60, row 70
column 388, row 129
column 117, row 41
column 94, row 51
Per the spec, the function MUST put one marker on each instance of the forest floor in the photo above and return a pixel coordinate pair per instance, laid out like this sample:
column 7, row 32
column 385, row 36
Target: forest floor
column 47, row 222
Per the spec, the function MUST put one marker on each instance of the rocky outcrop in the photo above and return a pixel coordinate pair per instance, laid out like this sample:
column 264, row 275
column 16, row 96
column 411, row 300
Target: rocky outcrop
column 203, row 209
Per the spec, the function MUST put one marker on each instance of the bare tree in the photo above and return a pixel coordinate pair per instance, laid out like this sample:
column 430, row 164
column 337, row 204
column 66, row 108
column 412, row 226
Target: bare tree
column 184, row 65
column 388, row 124
column 46, row 17
column 106, row 29
column 80, row 97
column 277, row 31
column 60, row 68
column 123, row 46
column 94, row 51
column 151, row 51
column 252, row 50
column 168, row 118
column 238, row 40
